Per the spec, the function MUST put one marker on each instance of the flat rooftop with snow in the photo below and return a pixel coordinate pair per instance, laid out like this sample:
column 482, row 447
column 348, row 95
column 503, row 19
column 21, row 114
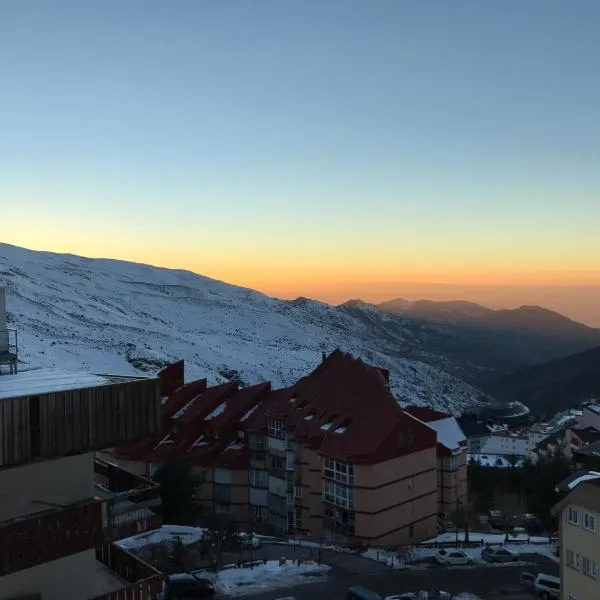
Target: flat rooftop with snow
column 48, row 381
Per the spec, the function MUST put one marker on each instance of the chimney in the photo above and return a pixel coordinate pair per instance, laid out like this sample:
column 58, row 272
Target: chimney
column 323, row 356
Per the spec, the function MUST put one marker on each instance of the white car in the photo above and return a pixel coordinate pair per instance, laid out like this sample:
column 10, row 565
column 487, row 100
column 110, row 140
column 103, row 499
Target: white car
column 452, row 557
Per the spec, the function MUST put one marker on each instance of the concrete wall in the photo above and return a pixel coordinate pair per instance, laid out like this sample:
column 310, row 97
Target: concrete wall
column 587, row 544
column 398, row 499
column 312, row 492
column 39, row 486
column 75, row 577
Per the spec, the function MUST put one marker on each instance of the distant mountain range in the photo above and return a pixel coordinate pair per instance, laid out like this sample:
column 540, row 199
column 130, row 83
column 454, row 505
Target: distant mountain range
column 121, row 317
column 554, row 385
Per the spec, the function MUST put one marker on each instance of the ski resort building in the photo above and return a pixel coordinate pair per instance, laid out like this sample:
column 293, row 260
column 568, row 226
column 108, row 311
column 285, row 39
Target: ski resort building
column 333, row 456
column 61, row 508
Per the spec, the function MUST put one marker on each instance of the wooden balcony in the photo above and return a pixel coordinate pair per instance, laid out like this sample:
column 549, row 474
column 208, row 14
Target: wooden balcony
column 144, row 581
column 39, row 426
column 113, row 513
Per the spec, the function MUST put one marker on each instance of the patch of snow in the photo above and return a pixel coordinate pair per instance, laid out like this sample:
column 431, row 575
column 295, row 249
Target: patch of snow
column 340, row 430
column 495, row 460
column 234, row 446
column 165, row 441
column 45, row 381
column 585, row 477
column 200, row 441
column 213, row 414
column 326, row 426
column 166, row 533
column 309, row 417
column 267, row 576
column 448, row 431
column 249, row 413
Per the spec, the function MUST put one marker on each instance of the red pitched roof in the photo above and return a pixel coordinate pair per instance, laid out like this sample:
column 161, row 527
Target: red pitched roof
column 426, row 414
column 182, row 396
column 345, row 409
column 205, row 404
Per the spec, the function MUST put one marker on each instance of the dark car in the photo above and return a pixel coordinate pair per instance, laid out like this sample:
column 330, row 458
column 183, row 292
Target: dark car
column 184, row 586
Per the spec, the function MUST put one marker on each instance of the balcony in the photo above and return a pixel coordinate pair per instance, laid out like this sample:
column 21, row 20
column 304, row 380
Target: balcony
column 141, row 581
column 120, row 505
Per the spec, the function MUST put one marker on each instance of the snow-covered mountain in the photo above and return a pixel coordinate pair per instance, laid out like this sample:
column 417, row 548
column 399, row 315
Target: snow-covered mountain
column 119, row 317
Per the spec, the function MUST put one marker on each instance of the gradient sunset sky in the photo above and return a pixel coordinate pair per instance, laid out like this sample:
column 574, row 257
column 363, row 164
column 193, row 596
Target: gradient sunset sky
column 326, row 148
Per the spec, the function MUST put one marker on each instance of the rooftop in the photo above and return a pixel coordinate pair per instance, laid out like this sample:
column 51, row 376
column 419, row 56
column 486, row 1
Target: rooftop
column 47, row 381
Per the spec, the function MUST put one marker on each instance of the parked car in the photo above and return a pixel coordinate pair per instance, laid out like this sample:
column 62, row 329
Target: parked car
column 497, row 554
column 452, row 557
column 249, row 540
column 527, row 579
column 547, row 586
column 184, row 586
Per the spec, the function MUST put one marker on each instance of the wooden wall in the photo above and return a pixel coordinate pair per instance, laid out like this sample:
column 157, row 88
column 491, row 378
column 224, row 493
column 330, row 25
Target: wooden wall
column 71, row 422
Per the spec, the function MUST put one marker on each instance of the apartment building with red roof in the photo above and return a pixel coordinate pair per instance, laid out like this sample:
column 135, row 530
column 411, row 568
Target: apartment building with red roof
column 334, row 456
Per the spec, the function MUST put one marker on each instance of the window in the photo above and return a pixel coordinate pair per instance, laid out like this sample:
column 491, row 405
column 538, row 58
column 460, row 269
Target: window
column 298, row 519
column 340, row 495
column 573, row 516
column 221, row 508
column 589, row 567
column 278, row 466
column 589, row 522
column 257, row 442
column 297, row 491
column 276, row 429
column 339, row 471
column 573, row 560
column 222, row 476
column 450, row 463
column 259, row 455
column 222, row 494
column 259, row 479
column 260, row 513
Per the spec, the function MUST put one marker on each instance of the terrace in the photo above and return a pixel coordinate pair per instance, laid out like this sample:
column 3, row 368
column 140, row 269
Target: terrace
column 119, row 505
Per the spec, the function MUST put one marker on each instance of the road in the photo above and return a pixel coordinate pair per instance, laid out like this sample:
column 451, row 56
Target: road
column 479, row 580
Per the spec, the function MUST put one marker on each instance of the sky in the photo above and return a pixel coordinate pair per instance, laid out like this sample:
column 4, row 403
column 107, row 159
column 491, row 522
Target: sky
column 332, row 149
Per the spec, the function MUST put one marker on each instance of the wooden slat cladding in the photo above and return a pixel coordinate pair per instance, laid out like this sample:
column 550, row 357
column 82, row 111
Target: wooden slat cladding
column 28, row 542
column 71, row 422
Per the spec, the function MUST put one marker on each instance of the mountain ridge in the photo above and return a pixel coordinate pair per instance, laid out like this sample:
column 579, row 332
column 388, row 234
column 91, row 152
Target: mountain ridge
column 115, row 316
column 555, row 385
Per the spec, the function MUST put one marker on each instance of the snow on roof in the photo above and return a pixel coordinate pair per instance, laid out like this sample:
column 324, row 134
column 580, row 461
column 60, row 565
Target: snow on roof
column 47, row 381
column 583, row 477
column 249, row 413
column 449, row 433
column 213, row 414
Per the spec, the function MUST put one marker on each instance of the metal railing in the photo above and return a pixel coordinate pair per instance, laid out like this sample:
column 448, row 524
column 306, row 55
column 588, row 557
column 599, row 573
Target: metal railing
column 36, row 538
column 144, row 581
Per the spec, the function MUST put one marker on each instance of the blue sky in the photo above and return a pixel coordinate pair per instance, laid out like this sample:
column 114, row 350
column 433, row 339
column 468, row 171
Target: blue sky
column 306, row 139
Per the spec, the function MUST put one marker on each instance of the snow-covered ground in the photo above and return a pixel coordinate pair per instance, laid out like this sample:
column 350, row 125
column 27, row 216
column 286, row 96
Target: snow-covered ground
column 268, row 576
column 109, row 316
column 536, row 545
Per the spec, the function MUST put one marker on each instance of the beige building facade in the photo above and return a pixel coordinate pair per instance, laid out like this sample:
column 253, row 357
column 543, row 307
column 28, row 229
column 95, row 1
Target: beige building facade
column 579, row 516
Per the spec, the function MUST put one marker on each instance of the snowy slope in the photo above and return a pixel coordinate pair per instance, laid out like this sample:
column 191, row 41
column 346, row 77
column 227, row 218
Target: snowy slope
column 118, row 317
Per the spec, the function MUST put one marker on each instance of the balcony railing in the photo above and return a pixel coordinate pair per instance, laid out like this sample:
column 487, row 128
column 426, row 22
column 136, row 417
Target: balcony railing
column 133, row 502
column 145, row 582
column 36, row 538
